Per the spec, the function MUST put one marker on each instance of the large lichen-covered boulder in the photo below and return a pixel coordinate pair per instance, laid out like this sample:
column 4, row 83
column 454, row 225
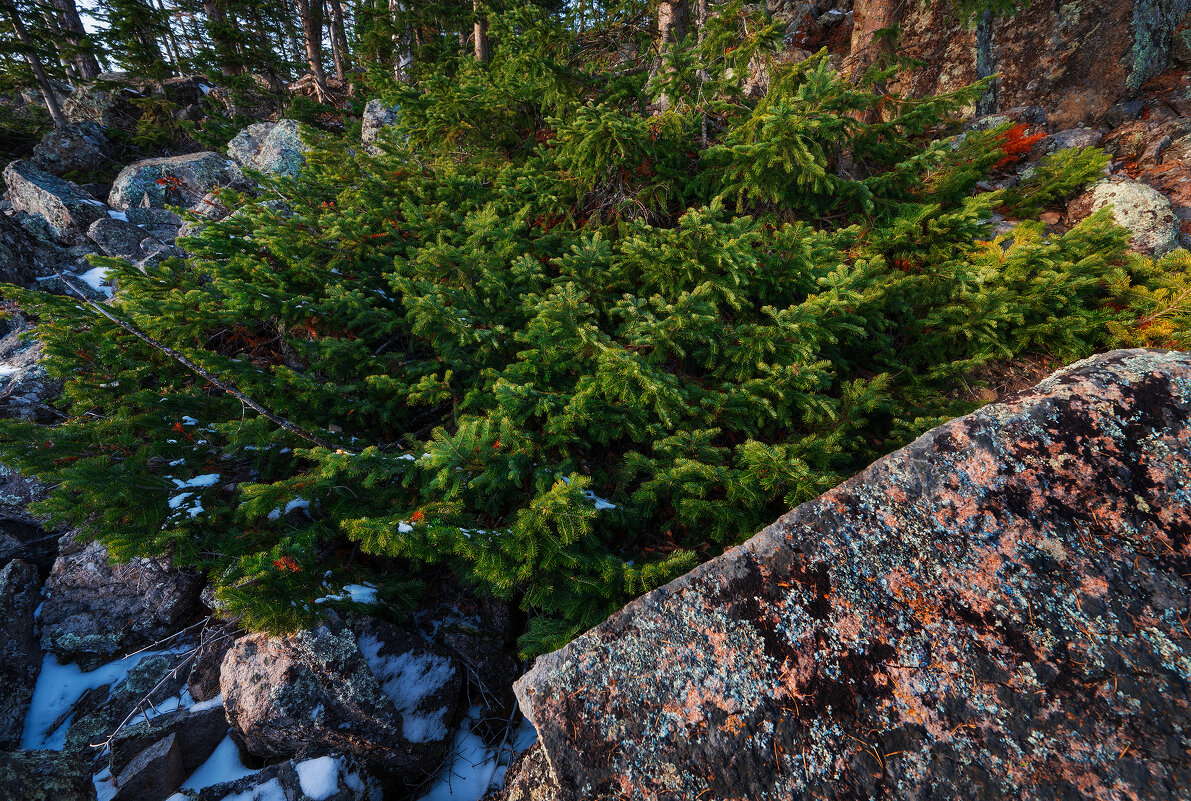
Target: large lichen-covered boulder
column 272, row 147
column 1075, row 58
column 20, row 655
column 172, row 180
column 383, row 695
column 63, row 209
column 78, row 147
column 96, row 610
column 1145, row 211
column 998, row 610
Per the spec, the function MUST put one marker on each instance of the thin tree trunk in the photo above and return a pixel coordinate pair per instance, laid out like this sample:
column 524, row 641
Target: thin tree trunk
column 403, row 57
column 339, row 47
column 47, row 91
column 311, row 15
column 673, row 19
column 171, row 43
column 217, row 27
column 483, row 51
column 869, row 17
column 75, row 34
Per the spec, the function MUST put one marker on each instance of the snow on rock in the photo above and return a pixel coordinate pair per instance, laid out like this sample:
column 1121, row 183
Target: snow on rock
column 409, row 679
column 224, row 765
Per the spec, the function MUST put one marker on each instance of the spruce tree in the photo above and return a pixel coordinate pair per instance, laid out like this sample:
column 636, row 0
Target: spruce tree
column 559, row 345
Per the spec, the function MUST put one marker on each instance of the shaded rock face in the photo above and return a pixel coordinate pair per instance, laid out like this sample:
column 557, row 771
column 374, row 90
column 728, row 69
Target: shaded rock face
column 65, row 211
column 95, row 610
column 173, row 180
column 384, row 695
column 377, row 117
column 334, row 777
column 273, row 147
column 25, row 387
column 44, row 776
column 79, row 147
column 20, row 654
column 995, row 611
column 176, row 742
column 1147, row 213
column 1074, row 58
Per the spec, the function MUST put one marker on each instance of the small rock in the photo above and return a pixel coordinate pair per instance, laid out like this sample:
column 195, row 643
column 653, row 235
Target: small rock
column 197, row 733
column 65, row 211
column 385, row 696
column 173, row 180
column 272, row 147
column 79, row 147
column 44, row 776
column 377, row 117
column 1050, row 217
column 161, row 223
column 1136, row 206
column 95, row 610
column 20, row 654
column 119, row 238
column 154, row 774
column 1070, row 138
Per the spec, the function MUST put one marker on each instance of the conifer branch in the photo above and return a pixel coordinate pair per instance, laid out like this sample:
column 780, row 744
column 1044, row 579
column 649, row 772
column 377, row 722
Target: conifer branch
column 206, row 374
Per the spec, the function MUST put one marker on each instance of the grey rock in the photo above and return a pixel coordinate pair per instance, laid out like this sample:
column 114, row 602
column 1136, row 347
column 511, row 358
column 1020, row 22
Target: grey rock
column 121, row 238
column 377, row 117
column 26, row 390
column 29, row 542
column 160, row 223
column 20, row 654
column 172, row 180
column 386, row 696
column 65, row 211
column 44, row 776
column 95, row 610
column 106, row 101
column 1070, row 138
column 1147, row 213
column 154, row 774
column 271, row 147
column 203, row 680
column 79, row 147
column 197, row 734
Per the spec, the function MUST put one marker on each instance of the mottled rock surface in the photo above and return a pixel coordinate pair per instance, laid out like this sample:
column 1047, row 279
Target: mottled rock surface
column 172, row 180
column 384, row 695
column 44, row 776
column 79, row 147
column 95, row 610
column 377, row 117
column 998, row 610
column 20, row 655
column 1075, row 58
column 64, row 210
column 1147, row 213
column 273, row 147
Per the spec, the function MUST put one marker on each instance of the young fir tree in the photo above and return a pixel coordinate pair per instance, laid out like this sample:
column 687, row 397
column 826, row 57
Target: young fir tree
column 563, row 347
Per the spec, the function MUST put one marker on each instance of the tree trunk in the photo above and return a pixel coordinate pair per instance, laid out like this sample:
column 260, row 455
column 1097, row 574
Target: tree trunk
column 47, row 91
column 483, row 51
column 673, row 19
column 339, row 47
column 869, row 17
column 225, row 47
column 403, row 57
column 171, row 43
column 311, row 15
column 82, row 56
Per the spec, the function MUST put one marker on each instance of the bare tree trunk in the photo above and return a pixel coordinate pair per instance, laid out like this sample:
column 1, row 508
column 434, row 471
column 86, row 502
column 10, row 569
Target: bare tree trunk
column 225, row 48
column 75, row 34
column 483, row 50
column 339, row 47
column 403, row 57
column 673, row 19
column 171, row 43
column 47, row 91
column 311, row 15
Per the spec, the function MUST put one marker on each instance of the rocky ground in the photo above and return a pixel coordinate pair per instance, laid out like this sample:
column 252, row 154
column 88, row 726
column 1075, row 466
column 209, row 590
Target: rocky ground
column 117, row 682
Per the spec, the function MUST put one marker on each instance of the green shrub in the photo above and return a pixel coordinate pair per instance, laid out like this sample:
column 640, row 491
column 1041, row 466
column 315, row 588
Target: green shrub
column 553, row 342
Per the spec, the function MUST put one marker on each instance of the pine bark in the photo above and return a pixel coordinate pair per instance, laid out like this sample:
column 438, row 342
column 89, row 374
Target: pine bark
column 311, row 15
column 85, row 63
column 43, row 82
column 339, row 47
column 483, row 50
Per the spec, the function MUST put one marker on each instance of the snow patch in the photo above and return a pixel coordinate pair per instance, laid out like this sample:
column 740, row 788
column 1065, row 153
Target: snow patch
column 409, row 679
column 319, row 778
column 96, row 278
column 357, row 593
column 223, row 765
column 118, row 215
column 211, row 703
